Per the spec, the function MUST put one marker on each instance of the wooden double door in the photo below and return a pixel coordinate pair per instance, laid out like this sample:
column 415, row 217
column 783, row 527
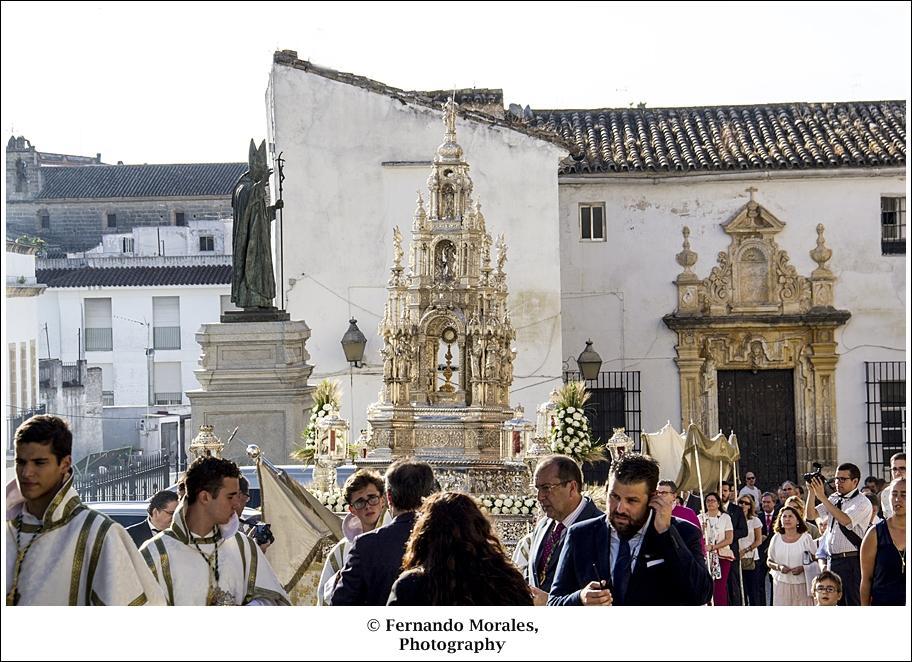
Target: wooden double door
column 760, row 407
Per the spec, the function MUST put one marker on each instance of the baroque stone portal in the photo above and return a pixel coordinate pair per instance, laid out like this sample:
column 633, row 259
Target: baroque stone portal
column 755, row 312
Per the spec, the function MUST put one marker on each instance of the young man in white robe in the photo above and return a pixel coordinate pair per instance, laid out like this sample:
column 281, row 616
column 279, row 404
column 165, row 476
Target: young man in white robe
column 203, row 558
column 363, row 492
column 58, row 550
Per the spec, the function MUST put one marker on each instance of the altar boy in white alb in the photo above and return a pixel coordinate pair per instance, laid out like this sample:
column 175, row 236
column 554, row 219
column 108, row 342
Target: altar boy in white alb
column 58, row 550
column 202, row 558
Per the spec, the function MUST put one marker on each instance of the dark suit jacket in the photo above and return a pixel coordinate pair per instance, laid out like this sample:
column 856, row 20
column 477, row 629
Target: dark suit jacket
column 768, row 532
column 739, row 524
column 540, row 533
column 694, row 503
column 140, row 532
column 669, row 569
column 374, row 564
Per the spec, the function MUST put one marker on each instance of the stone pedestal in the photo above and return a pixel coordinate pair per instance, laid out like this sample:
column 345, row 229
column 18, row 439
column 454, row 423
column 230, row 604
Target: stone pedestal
column 253, row 376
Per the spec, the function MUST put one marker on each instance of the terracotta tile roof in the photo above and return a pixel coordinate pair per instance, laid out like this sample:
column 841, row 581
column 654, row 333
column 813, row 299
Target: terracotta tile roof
column 141, row 181
column 217, row 274
column 720, row 138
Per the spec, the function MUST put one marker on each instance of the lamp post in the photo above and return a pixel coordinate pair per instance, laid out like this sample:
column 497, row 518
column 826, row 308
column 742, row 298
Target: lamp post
column 589, row 362
column 353, row 343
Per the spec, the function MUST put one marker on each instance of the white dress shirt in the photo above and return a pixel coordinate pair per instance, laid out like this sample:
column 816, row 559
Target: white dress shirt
column 858, row 508
column 635, row 542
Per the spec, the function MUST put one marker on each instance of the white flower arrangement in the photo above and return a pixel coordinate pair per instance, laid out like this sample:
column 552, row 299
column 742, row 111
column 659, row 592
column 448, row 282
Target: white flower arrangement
column 508, row 504
column 571, row 434
column 334, row 500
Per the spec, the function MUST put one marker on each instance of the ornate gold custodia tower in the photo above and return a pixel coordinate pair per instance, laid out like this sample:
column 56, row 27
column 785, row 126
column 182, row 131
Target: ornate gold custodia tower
column 447, row 338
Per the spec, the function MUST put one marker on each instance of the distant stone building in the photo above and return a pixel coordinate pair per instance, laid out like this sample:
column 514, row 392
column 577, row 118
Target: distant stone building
column 73, row 202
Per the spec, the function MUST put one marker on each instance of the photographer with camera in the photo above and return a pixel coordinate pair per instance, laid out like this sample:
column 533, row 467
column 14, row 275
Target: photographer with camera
column 847, row 513
column 252, row 528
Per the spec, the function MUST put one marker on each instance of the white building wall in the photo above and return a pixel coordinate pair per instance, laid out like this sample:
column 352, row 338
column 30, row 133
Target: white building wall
column 132, row 322
column 341, row 205
column 168, row 240
column 617, row 291
column 20, row 333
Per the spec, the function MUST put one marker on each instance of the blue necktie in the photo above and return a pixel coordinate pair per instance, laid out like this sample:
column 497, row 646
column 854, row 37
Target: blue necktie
column 621, row 575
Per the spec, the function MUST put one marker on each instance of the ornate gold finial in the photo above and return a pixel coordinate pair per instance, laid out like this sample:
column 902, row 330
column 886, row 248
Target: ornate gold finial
column 501, row 254
column 686, row 258
column 821, row 253
column 450, row 118
column 449, row 150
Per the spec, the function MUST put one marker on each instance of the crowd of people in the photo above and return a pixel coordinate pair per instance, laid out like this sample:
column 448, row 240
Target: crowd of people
column 406, row 542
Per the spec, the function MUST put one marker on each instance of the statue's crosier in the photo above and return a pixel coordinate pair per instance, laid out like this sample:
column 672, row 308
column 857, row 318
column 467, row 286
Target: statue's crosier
column 253, row 281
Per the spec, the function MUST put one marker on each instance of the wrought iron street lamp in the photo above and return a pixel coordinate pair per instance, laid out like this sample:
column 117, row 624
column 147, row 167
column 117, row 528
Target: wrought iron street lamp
column 589, row 362
column 353, row 343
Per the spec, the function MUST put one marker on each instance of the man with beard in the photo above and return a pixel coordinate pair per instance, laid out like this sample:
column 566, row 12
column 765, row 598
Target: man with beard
column 639, row 554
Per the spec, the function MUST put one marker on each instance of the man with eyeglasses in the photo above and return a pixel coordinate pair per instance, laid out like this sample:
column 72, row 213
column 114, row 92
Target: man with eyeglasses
column 750, row 487
column 375, row 558
column 161, row 510
column 363, row 492
column 897, row 471
column 557, row 481
column 847, row 513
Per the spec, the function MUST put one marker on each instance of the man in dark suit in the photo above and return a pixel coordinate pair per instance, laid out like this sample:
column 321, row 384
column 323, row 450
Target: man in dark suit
column 161, row 510
column 558, row 482
column 739, row 524
column 769, row 511
column 639, row 554
column 375, row 559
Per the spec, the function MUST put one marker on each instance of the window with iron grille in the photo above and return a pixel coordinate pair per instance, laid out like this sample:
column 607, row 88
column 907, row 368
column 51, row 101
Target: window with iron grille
column 111, row 220
column 885, row 383
column 127, row 245
column 592, row 222
column 44, row 220
column 893, row 225
column 180, row 219
column 614, row 403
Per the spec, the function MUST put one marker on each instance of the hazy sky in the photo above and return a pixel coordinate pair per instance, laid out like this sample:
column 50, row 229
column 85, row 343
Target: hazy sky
column 163, row 82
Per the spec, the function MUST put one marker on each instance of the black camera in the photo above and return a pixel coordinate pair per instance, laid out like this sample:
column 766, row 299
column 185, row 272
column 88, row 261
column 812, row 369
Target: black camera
column 262, row 534
column 816, row 473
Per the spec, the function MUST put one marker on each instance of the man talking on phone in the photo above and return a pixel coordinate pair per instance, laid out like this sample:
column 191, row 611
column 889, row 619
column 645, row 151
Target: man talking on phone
column 636, row 555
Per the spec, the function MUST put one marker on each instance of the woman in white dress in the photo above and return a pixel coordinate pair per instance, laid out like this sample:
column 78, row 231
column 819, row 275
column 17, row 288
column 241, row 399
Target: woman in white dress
column 791, row 554
column 753, row 574
column 718, row 533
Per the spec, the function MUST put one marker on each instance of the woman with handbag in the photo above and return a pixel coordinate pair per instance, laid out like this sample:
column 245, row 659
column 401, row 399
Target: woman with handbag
column 789, row 549
column 753, row 575
column 719, row 534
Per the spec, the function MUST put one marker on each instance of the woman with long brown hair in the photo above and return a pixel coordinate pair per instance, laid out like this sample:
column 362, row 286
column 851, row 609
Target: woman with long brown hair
column 453, row 557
